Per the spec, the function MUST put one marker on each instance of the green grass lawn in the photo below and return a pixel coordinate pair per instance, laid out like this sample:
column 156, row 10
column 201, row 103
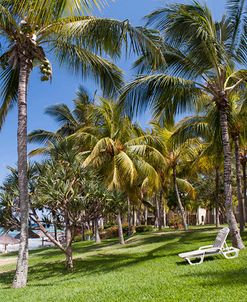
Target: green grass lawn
column 145, row 269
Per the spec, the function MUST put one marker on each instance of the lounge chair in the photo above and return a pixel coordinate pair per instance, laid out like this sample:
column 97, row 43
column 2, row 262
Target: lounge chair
column 219, row 247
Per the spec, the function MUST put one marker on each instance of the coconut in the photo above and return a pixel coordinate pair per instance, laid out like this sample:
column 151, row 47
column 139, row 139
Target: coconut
column 44, row 78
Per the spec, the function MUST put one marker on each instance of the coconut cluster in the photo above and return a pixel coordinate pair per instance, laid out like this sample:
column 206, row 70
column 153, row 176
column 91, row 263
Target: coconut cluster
column 45, row 69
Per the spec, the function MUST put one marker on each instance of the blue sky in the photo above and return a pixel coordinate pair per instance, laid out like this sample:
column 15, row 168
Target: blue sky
column 64, row 84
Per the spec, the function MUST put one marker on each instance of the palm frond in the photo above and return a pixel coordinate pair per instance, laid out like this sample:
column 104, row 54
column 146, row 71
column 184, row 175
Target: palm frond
column 187, row 187
column 62, row 114
column 9, row 89
column 160, row 92
column 39, row 151
column 102, row 148
column 191, row 127
column 108, row 36
column 236, row 13
column 42, row 136
column 126, row 167
column 191, row 29
column 80, row 60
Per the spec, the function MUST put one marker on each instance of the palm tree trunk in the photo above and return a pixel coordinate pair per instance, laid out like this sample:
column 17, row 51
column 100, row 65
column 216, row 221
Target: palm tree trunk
column 244, row 186
column 180, row 205
column 164, row 217
column 120, row 229
column 96, row 231
column 20, row 278
column 236, row 238
column 146, row 215
column 129, row 217
column 239, row 185
column 134, row 217
column 160, row 211
column 83, row 231
column 157, row 214
column 217, row 187
column 68, row 235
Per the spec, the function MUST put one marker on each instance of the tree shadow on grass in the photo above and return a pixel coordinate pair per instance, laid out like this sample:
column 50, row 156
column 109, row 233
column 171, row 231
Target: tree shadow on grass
column 105, row 261
column 82, row 247
column 89, row 265
column 220, row 278
column 183, row 240
column 171, row 243
column 108, row 262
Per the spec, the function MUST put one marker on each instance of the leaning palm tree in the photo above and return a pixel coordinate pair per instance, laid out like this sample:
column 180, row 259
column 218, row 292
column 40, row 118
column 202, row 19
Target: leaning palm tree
column 202, row 58
column 30, row 30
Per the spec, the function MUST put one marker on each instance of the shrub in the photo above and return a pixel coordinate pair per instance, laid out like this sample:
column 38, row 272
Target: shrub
column 175, row 222
column 144, row 228
column 109, row 225
column 125, row 228
column 77, row 238
column 112, row 232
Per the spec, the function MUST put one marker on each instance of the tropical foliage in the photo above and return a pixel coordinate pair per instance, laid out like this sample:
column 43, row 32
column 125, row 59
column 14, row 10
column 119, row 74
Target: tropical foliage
column 101, row 172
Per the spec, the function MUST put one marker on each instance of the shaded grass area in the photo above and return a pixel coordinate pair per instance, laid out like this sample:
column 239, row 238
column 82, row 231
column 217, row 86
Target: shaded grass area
column 147, row 268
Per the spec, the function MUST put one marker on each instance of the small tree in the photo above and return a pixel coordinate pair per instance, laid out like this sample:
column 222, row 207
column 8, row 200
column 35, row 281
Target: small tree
column 73, row 193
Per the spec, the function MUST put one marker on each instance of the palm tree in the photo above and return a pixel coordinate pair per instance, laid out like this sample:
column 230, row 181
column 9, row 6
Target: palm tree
column 243, row 161
column 175, row 158
column 202, row 57
column 238, row 134
column 207, row 128
column 117, row 150
column 204, row 126
column 30, row 30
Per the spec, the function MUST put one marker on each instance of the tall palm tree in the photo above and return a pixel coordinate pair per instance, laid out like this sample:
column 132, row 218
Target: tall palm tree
column 202, row 58
column 238, row 134
column 30, row 30
column 243, row 161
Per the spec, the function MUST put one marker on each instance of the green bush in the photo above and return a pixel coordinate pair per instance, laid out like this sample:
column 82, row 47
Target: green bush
column 112, row 232
column 144, row 228
column 109, row 225
column 175, row 222
column 125, row 228
column 77, row 238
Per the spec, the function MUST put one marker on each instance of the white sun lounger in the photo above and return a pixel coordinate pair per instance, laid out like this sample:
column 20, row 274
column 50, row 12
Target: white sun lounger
column 219, row 247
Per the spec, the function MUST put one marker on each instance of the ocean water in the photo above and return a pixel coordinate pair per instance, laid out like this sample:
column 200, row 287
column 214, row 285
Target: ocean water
column 13, row 233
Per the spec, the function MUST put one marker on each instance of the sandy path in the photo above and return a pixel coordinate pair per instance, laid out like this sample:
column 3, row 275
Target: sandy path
column 5, row 261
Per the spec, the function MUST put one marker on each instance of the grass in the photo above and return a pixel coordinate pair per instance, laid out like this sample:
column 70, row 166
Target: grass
column 145, row 269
